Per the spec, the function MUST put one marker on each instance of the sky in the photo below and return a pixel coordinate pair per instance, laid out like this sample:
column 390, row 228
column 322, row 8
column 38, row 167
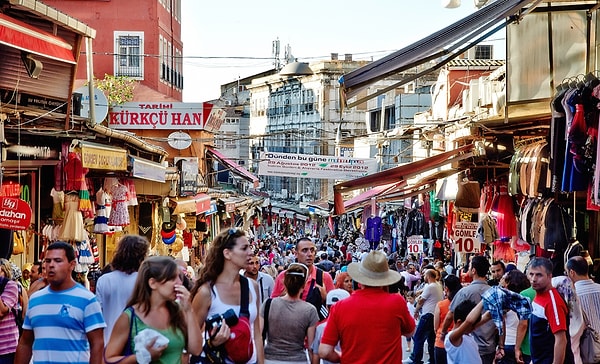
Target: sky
column 227, row 40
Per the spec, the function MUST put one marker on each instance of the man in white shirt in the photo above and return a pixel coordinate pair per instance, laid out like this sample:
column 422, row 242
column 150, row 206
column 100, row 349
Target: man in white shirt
column 265, row 281
column 589, row 295
column 426, row 303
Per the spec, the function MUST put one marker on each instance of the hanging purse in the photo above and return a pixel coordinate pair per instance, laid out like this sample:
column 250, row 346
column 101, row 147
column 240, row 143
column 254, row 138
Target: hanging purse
column 468, row 195
column 18, row 243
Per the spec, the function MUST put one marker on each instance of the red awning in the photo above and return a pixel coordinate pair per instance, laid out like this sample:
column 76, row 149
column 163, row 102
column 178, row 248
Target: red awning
column 373, row 192
column 398, row 174
column 16, row 34
column 233, row 167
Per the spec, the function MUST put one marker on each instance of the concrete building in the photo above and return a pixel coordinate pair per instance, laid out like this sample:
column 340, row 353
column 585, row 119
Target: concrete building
column 299, row 112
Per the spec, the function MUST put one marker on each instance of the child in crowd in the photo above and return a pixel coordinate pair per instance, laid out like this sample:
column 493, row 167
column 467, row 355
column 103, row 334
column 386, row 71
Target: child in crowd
column 410, row 303
column 459, row 344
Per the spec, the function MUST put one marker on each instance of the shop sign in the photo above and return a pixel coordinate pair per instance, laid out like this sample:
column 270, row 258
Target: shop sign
column 145, row 169
column 157, row 115
column 315, row 166
column 414, row 244
column 15, row 214
column 229, row 206
column 215, row 119
column 465, row 241
column 202, row 203
column 213, row 209
column 9, row 96
column 30, row 152
column 98, row 156
column 188, row 176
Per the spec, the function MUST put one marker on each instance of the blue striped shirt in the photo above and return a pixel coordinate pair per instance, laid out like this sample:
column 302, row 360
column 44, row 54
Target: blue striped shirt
column 60, row 321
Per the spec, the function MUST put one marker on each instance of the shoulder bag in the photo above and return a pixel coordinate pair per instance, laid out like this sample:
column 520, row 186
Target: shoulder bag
column 589, row 345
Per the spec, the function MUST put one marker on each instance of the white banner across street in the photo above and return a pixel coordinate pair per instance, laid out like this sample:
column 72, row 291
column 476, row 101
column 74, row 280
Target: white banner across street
column 315, row 166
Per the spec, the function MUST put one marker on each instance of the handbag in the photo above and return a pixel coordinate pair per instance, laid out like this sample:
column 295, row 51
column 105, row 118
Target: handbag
column 468, row 195
column 18, row 243
column 129, row 346
column 589, row 345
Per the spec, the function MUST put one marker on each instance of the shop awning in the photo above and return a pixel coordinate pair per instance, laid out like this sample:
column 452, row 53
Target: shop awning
column 149, row 170
column 197, row 204
column 233, row 167
column 440, row 47
column 424, row 184
column 398, row 174
column 16, row 34
column 369, row 194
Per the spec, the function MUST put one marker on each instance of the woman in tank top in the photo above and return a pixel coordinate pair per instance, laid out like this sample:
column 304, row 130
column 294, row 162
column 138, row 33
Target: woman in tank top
column 218, row 289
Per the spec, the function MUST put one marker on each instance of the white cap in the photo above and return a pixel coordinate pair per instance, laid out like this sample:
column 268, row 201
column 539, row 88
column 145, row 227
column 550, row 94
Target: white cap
column 336, row 295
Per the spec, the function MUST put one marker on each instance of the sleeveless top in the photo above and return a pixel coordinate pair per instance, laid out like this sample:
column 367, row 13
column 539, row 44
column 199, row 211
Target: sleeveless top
column 172, row 354
column 218, row 307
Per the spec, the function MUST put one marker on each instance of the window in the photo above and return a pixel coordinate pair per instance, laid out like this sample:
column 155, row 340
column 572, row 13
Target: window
column 230, row 140
column 483, row 52
column 129, row 54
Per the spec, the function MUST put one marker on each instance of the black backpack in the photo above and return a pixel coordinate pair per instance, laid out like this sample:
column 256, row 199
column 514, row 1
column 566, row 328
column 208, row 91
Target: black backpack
column 314, row 296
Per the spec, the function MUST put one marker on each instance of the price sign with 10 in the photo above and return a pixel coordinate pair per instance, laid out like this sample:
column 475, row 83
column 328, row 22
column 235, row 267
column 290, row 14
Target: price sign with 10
column 414, row 244
column 465, row 241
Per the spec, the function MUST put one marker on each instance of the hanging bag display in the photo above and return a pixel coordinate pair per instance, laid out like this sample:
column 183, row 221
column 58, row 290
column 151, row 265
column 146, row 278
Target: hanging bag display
column 18, row 243
column 468, row 195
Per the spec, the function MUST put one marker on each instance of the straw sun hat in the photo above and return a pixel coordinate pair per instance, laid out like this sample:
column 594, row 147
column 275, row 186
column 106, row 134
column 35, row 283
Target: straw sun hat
column 373, row 271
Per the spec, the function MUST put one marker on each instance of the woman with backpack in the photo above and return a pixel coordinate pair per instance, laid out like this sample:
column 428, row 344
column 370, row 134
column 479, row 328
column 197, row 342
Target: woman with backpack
column 288, row 320
column 221, row 291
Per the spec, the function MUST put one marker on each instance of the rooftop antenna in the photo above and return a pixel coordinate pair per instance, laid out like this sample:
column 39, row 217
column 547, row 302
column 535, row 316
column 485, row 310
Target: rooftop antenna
column 289, row 58
column 275, row 54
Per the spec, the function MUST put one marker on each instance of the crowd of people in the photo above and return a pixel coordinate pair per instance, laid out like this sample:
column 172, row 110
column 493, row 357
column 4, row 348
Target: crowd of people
column 285, row 300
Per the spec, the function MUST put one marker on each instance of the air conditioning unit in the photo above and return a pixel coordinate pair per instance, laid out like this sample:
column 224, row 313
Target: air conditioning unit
column 485, row 91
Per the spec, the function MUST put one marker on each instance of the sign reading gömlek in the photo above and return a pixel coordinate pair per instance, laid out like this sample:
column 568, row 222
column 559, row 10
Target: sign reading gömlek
column 315, row 166
column 157, row 115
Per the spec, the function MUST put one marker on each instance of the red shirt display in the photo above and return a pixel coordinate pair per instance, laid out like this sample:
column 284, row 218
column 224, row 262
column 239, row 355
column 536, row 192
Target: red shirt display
column 369, row 325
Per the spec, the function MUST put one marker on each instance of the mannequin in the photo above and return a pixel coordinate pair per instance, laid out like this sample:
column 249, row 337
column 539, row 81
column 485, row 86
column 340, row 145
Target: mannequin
column 573, row 249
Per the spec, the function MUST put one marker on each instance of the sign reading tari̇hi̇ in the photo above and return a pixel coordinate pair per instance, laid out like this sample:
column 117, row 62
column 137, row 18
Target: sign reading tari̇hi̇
column 15, row 214
column 315, row 166
column 157, row 115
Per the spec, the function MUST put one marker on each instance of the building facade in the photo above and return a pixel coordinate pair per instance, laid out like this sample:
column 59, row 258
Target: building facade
column 301, row 114
column 140, row 39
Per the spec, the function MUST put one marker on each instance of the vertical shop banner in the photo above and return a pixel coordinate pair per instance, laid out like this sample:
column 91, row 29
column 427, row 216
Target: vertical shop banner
column 15, row 214
column 315, row 166
column 465, row 237
column 414, row 244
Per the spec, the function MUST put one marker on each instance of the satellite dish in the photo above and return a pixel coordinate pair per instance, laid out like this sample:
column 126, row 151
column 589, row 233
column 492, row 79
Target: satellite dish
column 179, row 140
column 100, row 102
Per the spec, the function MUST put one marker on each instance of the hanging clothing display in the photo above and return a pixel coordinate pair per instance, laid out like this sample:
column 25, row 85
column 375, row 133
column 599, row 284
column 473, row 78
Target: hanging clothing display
column 58, row 202
column 504, row 212
column 102, row 212
column 72, row 227
column 119, row 215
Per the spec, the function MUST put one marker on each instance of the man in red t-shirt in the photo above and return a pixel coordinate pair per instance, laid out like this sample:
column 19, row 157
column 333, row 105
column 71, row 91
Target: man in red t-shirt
column 305, row 254
column 370, row 323
column 548, row 324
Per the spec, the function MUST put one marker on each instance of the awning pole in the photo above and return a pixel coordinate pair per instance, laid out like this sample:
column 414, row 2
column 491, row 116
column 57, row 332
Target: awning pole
column 90, row 77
